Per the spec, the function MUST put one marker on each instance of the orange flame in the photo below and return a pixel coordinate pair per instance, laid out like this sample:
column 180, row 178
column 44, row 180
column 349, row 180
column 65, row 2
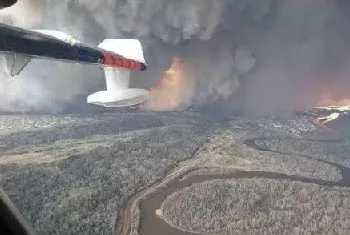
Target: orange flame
column 330, row 101
column 174, row 88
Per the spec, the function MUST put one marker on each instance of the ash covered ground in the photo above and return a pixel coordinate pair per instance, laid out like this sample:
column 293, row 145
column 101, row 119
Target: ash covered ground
column 279, row 176
column 75, row 174
column 72, row 174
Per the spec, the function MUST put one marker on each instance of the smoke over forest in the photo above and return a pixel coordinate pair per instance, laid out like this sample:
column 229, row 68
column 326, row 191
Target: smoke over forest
column 261, row 56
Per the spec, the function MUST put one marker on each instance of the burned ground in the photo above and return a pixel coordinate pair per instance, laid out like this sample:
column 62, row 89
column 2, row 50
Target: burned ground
column 259, row 206
column 71, row 175
column 276, row 175
column 79, row 174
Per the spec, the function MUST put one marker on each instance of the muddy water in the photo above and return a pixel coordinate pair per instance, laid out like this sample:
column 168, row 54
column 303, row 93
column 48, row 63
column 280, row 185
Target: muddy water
column 152, row 225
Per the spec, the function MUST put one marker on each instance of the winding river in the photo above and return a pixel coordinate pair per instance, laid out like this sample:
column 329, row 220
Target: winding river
column 153, row 225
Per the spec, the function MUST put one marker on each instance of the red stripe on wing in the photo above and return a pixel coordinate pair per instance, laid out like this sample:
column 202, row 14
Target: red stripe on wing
column 120, row 62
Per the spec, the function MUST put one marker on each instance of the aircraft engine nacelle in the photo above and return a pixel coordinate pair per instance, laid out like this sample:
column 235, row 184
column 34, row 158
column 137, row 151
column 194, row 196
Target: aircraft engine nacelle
column 118, row 92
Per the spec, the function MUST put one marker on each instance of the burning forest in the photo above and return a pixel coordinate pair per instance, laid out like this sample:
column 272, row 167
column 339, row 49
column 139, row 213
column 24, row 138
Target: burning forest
column 263, row 57
column 147, row 171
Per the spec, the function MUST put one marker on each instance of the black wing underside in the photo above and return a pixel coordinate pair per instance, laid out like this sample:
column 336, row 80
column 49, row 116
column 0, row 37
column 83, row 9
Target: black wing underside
column 19, row 46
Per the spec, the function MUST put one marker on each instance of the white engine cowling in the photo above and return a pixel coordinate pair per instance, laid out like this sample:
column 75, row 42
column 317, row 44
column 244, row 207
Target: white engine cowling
column 118, row 93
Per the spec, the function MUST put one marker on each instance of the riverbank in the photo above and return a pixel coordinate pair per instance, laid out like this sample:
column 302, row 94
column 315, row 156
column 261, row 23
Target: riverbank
column 297, row 158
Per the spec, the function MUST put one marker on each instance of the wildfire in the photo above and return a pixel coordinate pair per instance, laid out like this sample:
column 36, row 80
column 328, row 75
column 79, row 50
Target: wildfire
column 174, row 88
column 329, row 101
column 329, row 118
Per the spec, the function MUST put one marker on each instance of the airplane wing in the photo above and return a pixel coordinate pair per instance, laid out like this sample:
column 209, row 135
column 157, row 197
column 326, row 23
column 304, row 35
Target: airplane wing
column 117, row 57
column 20, row 43
column 55, row 45
column 7, row 3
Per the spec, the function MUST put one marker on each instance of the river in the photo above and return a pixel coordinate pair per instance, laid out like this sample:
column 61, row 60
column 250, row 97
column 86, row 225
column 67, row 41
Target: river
column 153, row 225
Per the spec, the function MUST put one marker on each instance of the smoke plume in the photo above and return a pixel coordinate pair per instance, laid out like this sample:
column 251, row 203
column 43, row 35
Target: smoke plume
column 264, row 57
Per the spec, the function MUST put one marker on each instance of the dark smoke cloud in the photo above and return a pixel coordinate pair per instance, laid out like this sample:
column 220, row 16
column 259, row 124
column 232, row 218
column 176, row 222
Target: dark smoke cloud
column 154, row 22
column 303, row 46
column 265, row 56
